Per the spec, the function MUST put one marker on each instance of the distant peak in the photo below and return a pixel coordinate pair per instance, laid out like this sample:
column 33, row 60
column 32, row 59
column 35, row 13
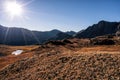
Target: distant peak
column 55, row 30
column 102, row 21
column 71, row 31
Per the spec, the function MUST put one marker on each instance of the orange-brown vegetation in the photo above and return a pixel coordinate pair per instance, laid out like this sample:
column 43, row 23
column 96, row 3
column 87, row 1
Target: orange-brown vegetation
column 8, row 58
column 72, row 59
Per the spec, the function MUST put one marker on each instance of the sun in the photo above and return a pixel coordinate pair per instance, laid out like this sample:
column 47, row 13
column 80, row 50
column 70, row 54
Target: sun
column 13, row 8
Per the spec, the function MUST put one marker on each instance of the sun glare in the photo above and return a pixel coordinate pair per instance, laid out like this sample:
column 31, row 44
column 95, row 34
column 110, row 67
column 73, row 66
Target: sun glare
column 13, row 9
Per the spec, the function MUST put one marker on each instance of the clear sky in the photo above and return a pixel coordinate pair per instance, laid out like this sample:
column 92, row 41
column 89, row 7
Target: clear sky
column 65, row 15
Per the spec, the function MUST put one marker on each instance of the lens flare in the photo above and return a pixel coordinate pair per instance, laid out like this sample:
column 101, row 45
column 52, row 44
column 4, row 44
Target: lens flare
column 13, row 8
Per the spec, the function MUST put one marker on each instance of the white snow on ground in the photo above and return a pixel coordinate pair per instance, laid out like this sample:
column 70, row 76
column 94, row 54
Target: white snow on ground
column 17, row 52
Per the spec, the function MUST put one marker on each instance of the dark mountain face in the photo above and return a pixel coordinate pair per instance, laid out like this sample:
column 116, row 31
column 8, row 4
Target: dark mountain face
column 102, row 28
column 78, row 33
column 61, row 36
column 21, row 36
column 43, row 36
column 70, row 33
column 16, row 36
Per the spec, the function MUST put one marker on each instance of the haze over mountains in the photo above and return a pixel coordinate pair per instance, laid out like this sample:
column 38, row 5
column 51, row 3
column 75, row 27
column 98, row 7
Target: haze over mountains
column 21, row 36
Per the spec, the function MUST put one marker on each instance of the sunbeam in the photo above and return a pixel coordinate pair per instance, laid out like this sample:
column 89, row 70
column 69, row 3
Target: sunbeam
column 6, row 34
column 35, row 37
column 22, row 30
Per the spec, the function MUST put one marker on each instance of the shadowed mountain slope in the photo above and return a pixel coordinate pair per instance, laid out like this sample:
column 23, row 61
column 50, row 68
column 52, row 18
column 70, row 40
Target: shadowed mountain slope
column 102, row 28
column 21, row 36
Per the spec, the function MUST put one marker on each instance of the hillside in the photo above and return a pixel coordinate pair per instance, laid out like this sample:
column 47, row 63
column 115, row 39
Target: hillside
column 94, row 54
column 99, row 29
column 6, row 56
column 71, row 59
column 21, row 36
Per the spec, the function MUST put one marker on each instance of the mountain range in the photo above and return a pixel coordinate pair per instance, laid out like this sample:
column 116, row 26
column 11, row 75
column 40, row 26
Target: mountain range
column 21, row 36
column 99, row 29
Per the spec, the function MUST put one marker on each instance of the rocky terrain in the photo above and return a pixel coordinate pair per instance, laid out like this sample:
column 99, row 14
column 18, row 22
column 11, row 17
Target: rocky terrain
column 69, row 59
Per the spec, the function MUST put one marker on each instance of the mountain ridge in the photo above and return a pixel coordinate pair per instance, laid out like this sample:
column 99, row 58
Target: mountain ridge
column 99, row 29
column 21, row 36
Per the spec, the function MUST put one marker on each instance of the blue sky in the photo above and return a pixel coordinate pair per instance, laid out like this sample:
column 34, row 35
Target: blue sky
column 65, row 15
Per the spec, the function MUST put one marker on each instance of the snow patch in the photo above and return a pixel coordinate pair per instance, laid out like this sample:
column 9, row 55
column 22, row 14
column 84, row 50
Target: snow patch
column 17, row 52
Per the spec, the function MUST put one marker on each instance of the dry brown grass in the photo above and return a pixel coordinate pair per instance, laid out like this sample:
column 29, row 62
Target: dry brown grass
column 8, row 58
column 64, row 62
column 56, row 66
column 110, row 48
column 7, row 50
